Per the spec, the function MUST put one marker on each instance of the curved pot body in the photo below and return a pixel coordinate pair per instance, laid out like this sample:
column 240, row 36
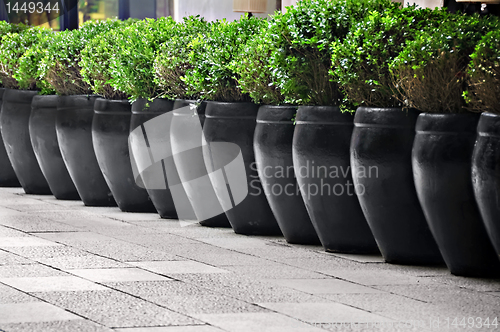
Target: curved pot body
column 8, row 177
column 42, row 127
column 229, row 157
column 74, row 134
column 486, row 174
column 14, row 121
column 186, row 139
column 441, row 160
column 161, row 198
column 381, row 146
column 321, row 160
column 110, row 131
column 273, row 153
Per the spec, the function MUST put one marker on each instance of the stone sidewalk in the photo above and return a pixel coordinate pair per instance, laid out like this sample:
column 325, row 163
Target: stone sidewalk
column 66, row 267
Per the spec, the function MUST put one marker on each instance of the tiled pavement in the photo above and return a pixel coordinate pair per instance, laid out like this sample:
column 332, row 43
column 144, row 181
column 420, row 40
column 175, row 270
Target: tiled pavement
column 66, row 267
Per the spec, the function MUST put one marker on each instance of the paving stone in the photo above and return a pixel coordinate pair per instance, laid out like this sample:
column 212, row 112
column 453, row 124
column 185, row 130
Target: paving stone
column 37, row 207
column 7, row 258
column 324, row 313
column 7, row 232
column 477, row 284
column 51, row 284
column 176, row 267
column 24, row 241
column 279, row 253
column 362, row 258
column 32, row 312
column 324, row 286
column 57, row 250
column 198, row 328
column 132, row 216
column 8, row 211
column 116, row 274
column 235, row 242
column 231, row 259
column 191, row 251
column 276, row 271
column 378, row 302
column 87, row 261
column 152, row 238
column 28, row 270
column 27, row 223
column 197, row 231
column 262, row 322
column 380, row 277
column 12, row 295
column 79, row 325
column 115, row 309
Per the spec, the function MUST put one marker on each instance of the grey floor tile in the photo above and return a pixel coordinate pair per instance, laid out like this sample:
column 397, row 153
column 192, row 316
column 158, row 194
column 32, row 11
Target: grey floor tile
column 116, row 274
column 262, row 322
column 236, row 242
column 51, row 284
column 380, row 277
column 197, row 328
column 132, row 216
column 88, row 261
column 28, row 270
column 24, row 241
column 361, row 258
column 8, row 258
column 12, row 295
column 32, row 312
column 47, row 251
column 176, row 267
column 276, row 271
column 79, row 325
column 314, row 313
column 230, row 259
column 10, row 232
column 115, row 309
column 324, row 286
column 378, row 302
column 27, row 223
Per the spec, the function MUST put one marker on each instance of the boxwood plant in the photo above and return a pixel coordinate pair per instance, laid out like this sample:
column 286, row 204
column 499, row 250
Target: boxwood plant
column 484, row 75
column 14, row 46
column 172, row 62
column 61, row 64
column 431, row 70
column 361, row 61
column 212, row 76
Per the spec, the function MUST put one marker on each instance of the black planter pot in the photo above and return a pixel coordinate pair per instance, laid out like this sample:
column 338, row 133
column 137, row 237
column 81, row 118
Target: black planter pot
column 110, row 131
column 229, row 129
column 321, row 160
column 42, row 127
column 161, row 198
column 8, row 177
column 273, row 153
column 187, row 151
column 74, row 134
column 381, row 146
column 441, row 159
column 486, row 174
column 14, row 122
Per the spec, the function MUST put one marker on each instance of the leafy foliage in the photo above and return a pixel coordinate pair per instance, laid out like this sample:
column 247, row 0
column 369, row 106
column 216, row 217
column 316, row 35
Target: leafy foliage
column 95, row 58
column 430, row 72
column 212, row 76
column 172, row 62
column 13, row 47
column 61, row 64
column 302, row 61
column 361, row 61
column 484, row 75
column 132, row 67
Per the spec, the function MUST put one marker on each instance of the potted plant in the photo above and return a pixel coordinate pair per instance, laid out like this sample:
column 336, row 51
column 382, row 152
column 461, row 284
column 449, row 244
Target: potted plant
column 383, row 135
column 323, row 124
column 8, row 177
column 273, row 134
column 61, row 68
column 431, row 75
column 484, row 96
column 16, row 110
column 230, row 118
column 171, row 65
column 131, row 71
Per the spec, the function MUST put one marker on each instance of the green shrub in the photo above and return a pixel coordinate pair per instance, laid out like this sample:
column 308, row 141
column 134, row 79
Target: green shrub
column 172, row 62
column 61, row 66
column 484, row 75
column 12, row 49
column 361, row 61
column 95, row 58
column 431, row 70
column 212, row 76
column 302, row 64
column 132, row 69
column 6, row 28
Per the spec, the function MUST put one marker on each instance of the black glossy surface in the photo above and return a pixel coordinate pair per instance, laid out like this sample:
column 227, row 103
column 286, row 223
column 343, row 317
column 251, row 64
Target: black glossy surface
column 486, row 174
column 161, row 198
column 14, row 121
column 190, row 164
column 110, row 131
column 381, row 146
column 321, row 160
column 42, row 127
column 8, row 177
column 235, row 123
column 74, row 134
column 273, row 153
column 441, row 159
